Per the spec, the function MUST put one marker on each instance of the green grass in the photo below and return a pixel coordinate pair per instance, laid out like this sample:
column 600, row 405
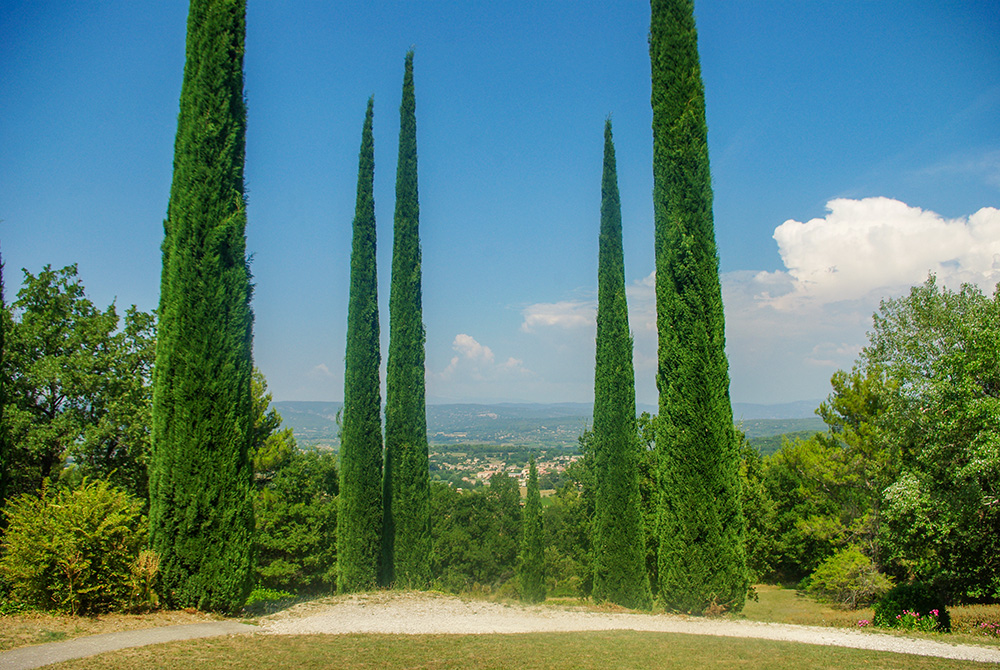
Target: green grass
column 781, row 605
column 551, row 651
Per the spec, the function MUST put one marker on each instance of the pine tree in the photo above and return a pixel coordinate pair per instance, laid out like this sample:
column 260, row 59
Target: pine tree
column 406, row 539
column 201, row 510
column 619, row 541
column 359, row 518
column 701, row 557
column 531, row 564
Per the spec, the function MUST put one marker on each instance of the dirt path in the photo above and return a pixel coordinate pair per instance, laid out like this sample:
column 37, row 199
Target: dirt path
column 413, row 613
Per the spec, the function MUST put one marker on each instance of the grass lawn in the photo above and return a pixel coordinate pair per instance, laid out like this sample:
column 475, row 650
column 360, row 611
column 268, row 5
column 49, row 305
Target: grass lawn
column 551, row 651
column 781, row 605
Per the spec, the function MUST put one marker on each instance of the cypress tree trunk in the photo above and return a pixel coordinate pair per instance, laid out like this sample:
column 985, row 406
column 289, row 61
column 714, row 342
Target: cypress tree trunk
column 359, row 519
column 406, row 539
column 619, row 542
column 531, row 566
column 201, row 510
column 701, row 558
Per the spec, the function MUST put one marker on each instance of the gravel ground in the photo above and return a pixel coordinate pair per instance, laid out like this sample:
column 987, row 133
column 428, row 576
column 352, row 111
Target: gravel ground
column 410, row 613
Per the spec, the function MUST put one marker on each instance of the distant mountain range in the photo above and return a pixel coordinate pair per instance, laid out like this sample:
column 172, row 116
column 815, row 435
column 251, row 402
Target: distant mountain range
column 543, row 424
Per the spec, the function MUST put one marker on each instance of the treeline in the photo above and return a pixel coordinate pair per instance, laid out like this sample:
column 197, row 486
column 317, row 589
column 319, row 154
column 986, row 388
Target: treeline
column 904, row 485
column 77, row 395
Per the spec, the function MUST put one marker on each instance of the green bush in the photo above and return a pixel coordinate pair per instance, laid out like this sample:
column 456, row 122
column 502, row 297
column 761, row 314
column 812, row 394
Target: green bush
column 848, row 578
column 907, row 606
column 75, row 550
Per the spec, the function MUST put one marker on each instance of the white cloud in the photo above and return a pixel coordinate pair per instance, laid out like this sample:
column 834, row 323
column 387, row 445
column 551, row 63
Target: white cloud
column 467, row 346
column 878, row 246
column 568, row 314
column 476, row 362
column 320, row 371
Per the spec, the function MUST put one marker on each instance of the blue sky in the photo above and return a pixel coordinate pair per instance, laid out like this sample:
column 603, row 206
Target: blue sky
column 854, row 147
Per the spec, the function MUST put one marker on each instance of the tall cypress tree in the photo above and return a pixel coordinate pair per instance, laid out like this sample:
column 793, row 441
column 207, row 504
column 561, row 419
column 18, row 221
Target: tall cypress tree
column 531, row 566
column 4, row 445
column 406, row 539
column 359, row 519
column 619, row 542
column 701, row 557
column 201, row 510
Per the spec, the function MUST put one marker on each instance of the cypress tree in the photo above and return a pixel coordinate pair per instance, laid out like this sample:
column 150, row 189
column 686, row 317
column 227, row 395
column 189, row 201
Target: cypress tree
column 359, row 519
column 406, row 492
column 619, row 542
column 4, row 445
column 201, row 511
column 701, row 556
column 531, row 566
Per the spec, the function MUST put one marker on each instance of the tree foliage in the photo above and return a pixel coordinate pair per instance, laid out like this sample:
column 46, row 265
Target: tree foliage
column 296, row 515
column 475, row 535
column 701, row 560
column 908, row 472
column 359, row 534
column 406, row 494
column 619, row 541
column 77, row 386
column 201, row 507
column 939, row 352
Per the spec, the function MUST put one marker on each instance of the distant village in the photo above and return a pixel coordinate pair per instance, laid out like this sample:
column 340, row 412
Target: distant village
column 467, row 471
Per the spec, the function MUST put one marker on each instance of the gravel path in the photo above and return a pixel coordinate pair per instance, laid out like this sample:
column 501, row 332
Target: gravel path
column 418, row 613
column 411, row 613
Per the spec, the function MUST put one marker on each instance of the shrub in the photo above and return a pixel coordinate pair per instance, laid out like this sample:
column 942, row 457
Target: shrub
column 75, row 551
column 908, row 606
column 848, row 578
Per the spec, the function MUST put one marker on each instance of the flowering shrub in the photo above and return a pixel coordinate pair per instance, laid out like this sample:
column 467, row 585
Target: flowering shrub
column 990, row 629
column 864, row 623
column 913, row 607
column 915, row 621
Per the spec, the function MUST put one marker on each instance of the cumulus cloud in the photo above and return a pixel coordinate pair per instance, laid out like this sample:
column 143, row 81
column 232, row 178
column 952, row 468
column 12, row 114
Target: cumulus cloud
column 789, row 330
column 877, row 246
column 476, row 362
column 568, row 314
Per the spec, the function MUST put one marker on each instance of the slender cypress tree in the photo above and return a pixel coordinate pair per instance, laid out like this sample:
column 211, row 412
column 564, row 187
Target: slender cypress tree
column 619, row 541
column 201, row 510
column 406, row 539
column 4, row 445
column 531, row 566
column 359, row 519
column 701, row 557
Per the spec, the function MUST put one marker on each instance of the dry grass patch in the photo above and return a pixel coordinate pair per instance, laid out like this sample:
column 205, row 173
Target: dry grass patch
column 20, row 630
